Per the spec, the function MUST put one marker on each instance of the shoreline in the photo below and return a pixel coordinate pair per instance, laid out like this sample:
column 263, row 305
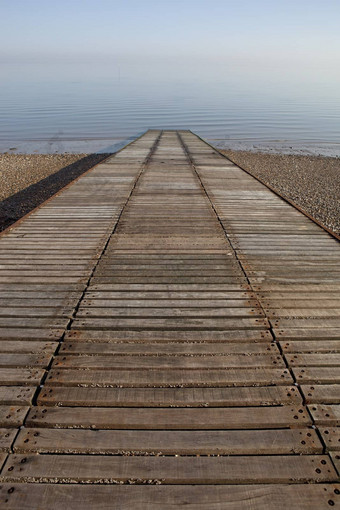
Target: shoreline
column 311, row 182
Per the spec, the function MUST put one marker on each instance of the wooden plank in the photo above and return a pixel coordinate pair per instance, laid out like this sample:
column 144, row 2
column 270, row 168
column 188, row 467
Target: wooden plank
column 307, row 334
column 169, row 378
column 3, row 457
column 33, row 302
column 34, row 322
column 336, row 460
column 178, row 312
column 331, row 438
column 317, row 322
column 322, row 393
column 20, row 376
column 311, row 346
column 30, row 334
column 12, row 416
column 24, row 360
column 168, row 303
column 167, row 442
column 170, row 397
column 318, row 375
column 312, row 302
column 325, row 414
column 171, row 287
column 28, row 346
column 160, row 296
column 154, row 497
column 185, row 348
column 104, row 362
column 170, row 419
column 43, row 279
column 108, row 270
column 21, row 311
column 170, row 470
column 178, row 323
column 16, row 395
column 170, row 335
column 7, row 437
column 199, row 279
column 314, row 360
column 307, row 313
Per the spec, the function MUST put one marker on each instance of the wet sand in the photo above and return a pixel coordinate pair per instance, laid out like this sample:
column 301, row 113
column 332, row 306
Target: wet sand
column 311, row 182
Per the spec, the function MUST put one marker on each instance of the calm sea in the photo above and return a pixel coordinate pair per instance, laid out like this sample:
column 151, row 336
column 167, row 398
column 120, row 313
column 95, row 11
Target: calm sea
column 62, row 107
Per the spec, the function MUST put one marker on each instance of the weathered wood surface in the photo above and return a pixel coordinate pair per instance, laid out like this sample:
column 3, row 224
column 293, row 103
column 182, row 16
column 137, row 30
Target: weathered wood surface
column 167, row 319
column 153, row 497
column 171, row 470
column 169, row 418
column 165, row 377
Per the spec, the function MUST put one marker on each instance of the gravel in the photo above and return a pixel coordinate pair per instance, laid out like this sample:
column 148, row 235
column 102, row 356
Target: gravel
column 312, row 182
column 27, row 180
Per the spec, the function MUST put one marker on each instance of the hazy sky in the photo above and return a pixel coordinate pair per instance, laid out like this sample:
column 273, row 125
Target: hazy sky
column 302, row 31
column 238, row 68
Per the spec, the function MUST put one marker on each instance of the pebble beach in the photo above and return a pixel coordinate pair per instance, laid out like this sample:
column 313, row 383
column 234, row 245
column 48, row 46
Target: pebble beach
column 311, row 182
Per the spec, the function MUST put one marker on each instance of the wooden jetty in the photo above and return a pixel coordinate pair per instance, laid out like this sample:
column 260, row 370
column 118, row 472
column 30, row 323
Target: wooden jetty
column 169, row 336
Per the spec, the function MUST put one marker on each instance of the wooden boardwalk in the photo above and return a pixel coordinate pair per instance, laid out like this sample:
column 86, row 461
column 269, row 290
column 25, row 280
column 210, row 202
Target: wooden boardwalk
column 169, row 336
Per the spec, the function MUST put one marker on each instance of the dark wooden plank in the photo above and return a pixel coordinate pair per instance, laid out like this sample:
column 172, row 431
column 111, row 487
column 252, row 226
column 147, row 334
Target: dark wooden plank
column 325, row 414
column 24, row 360
column 180, row 302
column 171, row 287
column 154, row 497
column 322, row 393
column 33, row 322
column 104, row 362
column 149, row 335
column 307, row 333
column 31, row 334
column 171, row 419
column 170, row 470
column 3, row 457
column 317, row 375
column 317, row 346
column 314, row 360
column 317, row 323
column 178, row 323
column 172, row 313
column 336, row 460
column 27, row 346
column 20, row 376
column 166, row 442
column 12, row 416
column 7, row 437
column 331, row 437
column 170, row 397
column 169, row 378
column 184, row 348
column 55, row 312
column 16, row 395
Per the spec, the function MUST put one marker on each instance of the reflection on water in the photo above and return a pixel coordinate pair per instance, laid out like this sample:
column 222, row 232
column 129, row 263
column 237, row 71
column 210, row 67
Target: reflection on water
column 60, row 108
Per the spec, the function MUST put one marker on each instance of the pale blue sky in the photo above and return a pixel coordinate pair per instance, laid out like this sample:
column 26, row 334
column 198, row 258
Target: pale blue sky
column 301, row 31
